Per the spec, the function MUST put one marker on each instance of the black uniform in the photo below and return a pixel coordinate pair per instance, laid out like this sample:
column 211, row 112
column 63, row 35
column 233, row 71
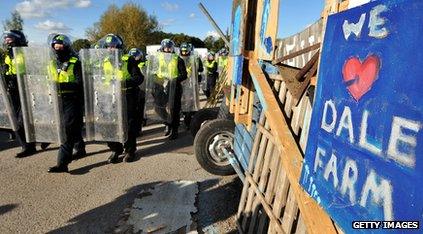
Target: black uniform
column 13, row 90
column 161, row 98
column 71, row 95
column 133, row 112
column 212, row 76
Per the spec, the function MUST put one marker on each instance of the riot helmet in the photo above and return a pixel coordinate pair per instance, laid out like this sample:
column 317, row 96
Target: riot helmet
column 167, row 46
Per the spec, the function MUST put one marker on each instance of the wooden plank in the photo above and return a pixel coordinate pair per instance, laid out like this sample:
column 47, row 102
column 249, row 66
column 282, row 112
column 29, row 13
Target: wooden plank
column 281, row 193
column 306, row 126
column 252, row 159
column 316, row 219
column 301, row 227
column 256, row 173
column 271, row 185
column 263, row 178
column 297, row 53
column 282, row 93
column 260, row 196
column 290, row 213
column 298, row 115
column 288, row 104
column 266, row 133
column 266, row 29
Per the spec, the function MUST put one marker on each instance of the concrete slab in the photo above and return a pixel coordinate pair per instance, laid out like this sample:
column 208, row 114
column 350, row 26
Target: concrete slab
column 165, row 208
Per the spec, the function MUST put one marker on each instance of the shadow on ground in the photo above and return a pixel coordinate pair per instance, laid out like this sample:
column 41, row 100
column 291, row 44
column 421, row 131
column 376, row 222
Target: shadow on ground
column 6, row 208
column 215, row 202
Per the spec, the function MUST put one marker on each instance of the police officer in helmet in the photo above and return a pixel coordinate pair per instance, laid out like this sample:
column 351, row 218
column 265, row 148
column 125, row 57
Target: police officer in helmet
column 132, row 78
column 65, row 69
column 15, row 38
column 168, row 47
column 139, row 57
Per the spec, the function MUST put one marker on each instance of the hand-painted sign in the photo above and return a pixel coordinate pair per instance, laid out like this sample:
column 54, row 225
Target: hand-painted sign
column 364, row 158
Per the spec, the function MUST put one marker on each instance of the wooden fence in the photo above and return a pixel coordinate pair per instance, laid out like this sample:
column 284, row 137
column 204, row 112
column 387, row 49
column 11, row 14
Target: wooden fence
column 272, row 199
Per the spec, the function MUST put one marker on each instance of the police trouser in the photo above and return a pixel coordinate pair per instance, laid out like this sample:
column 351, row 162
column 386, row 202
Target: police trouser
column 141, row 107
column 132, row 107
column 20, row 131
column 211, row 83
column 72, row 121
column 161, row 99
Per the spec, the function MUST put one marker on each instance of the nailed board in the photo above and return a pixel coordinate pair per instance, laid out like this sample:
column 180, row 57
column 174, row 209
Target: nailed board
column 308, row 37
column 239, row 11
column 266, row 28
column 362, row 162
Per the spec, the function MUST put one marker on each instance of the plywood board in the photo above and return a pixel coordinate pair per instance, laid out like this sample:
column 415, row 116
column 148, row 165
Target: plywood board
column 266, row 28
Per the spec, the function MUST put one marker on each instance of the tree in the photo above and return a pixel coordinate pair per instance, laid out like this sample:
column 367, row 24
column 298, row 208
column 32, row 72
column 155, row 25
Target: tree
column 14, row 23
column 81, row 44
column 131, row 22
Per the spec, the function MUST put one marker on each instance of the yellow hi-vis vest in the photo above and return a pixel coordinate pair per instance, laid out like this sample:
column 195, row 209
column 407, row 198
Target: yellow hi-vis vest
column 18, row 61
column 61, row 76
column 223, row 61
column 168, row 70
column 110, row 71
column 210, row 65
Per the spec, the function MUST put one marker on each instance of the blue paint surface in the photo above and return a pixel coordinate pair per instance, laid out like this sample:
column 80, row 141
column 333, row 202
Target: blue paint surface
column 395, row 93
column 259, row 92
column 236, row 32
column 237, row 69
column 266, row 42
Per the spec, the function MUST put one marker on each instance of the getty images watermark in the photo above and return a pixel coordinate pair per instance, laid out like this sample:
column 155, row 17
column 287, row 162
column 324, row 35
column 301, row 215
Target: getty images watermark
column 385, row 224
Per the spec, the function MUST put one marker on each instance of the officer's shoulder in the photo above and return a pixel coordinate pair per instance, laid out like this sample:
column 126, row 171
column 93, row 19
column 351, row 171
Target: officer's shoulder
column 73, row 59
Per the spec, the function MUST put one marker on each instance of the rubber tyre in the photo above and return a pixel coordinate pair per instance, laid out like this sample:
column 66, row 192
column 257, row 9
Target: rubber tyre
column 200, row 117
column 207, row 132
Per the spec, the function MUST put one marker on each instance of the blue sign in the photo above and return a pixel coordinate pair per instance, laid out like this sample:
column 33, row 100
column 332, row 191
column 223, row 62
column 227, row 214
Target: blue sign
column 364, row 158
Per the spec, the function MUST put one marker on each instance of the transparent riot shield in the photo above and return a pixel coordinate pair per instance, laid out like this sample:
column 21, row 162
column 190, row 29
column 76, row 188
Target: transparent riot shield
column 7, row 113
column 104, row 95
column 190, row 96
column 160, row 89
column 40, row 103
column 203, row 82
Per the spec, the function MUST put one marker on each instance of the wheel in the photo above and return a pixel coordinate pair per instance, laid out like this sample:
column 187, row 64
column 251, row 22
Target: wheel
column 201, row 117
column 209, row 143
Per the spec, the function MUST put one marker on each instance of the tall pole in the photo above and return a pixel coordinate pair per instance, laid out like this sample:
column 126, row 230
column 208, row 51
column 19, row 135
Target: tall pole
column 216, row 27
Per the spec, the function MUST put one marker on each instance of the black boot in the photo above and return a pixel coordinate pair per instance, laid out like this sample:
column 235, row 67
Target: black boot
column 173, row 134
column 128, row 157
column 114, row 157
column 26, row 152
column 58, row 169
column 167, row 130
column 44, row 145
column 79, row 154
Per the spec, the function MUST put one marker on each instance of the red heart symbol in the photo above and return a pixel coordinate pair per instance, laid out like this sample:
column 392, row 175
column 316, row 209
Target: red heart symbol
column 359, row 77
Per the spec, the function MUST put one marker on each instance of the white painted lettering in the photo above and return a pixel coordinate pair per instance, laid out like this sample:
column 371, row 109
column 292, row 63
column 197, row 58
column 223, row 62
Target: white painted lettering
column 328, row 127
column 348, row 180
column 345, row 122
column 317, row 161
column 376, row 22
column 363, row 142
column 381, row 194
column 355, row 28
column 398, row 137
column 331, row 169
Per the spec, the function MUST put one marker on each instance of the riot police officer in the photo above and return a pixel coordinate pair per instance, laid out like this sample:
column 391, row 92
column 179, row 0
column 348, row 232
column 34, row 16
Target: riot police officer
column 212, row 74
column 132, row 78
column 139, row 57
column 15, row 38
column 65, row 70
column 176, row 68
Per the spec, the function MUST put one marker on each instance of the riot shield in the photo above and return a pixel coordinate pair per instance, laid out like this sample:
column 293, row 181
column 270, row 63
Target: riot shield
column 104, row 95
column 203, row 83
column 40, row 103
column 7, row 113
column 190, row 96
column 160, row 87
